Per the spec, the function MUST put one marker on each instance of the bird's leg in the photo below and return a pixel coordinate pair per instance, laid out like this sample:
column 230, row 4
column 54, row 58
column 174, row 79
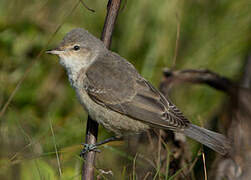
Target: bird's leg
column 94, row 147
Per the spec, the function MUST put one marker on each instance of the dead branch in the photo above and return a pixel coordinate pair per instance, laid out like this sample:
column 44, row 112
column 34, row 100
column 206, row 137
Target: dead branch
column 92, row 126
column 198, row 77
column 237, row 114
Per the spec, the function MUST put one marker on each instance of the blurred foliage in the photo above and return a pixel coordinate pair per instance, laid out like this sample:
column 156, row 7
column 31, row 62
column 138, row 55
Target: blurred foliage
column 215, row 35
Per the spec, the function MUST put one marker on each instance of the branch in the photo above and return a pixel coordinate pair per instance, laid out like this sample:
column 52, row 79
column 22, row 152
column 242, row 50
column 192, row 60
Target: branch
column 92, row 126
column 172, row 77
column 111, row 16
column 199, row 77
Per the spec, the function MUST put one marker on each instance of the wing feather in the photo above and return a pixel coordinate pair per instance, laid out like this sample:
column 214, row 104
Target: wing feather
column 114, row 83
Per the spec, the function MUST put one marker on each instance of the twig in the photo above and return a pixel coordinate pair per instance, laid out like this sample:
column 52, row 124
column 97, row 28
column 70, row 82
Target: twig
column 134, row 167
column 28, row 69
column 92, row 126
column 111, row 16
column 204, row 164
column 90, row 138
column 201, row 77
column 56, row 150
column 89, row 9
column 177, row 44
column 147, row 174
column 194, row 162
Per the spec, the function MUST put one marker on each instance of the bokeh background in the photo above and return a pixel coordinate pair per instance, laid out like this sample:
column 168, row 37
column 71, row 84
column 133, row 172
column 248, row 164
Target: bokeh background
column 213, row 34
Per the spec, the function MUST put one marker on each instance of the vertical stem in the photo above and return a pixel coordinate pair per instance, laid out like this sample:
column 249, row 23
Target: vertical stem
column 92, row 126
column 90, row 138
column 111, row 16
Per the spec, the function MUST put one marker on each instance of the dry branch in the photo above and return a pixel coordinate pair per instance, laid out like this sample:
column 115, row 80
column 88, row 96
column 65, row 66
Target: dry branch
column 199, row 77
column 92, row 126
column 237, row 116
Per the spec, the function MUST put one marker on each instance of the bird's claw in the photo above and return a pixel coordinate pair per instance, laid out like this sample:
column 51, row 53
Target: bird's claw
column 89, row 147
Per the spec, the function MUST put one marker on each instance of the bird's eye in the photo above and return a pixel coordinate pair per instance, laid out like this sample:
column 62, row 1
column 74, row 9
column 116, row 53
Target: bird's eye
column 76, row 48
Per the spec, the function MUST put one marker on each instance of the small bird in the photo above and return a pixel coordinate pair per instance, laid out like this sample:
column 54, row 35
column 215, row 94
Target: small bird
column 118, row 97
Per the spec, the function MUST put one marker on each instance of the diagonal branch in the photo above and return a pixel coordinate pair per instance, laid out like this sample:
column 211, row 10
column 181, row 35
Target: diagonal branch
column 200, row 77
column 92, row 126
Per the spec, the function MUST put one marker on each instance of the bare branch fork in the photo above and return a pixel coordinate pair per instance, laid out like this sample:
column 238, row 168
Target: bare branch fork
column 113, row 7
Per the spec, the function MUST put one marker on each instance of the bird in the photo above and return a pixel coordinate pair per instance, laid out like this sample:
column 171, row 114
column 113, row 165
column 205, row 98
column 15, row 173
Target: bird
column 116, row 96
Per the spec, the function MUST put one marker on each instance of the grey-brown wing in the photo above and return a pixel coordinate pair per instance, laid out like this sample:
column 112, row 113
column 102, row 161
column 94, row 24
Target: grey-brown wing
column 111, row 80
column 115, row 84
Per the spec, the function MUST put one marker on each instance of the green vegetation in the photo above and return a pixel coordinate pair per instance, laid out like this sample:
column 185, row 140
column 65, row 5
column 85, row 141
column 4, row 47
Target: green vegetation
column 213, row 35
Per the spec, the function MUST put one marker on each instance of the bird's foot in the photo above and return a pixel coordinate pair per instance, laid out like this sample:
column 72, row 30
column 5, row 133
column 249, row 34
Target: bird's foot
column 89, row 147
column 94, row 147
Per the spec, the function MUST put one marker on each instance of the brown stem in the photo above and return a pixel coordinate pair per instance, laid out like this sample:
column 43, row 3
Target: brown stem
column 92, row 126
column 111, row 16
column 90, row 138
column 200, row 77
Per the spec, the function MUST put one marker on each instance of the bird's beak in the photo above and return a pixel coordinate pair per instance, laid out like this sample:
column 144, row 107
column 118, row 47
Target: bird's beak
column 54, row 51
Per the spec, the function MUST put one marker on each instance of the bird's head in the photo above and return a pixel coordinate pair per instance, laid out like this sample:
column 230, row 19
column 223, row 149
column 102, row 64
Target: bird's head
column 78, row 49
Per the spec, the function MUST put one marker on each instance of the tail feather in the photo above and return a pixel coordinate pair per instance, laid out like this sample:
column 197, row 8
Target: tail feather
column 213, row 140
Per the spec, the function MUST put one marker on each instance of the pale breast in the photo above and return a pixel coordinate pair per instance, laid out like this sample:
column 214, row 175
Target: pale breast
column 111, row 120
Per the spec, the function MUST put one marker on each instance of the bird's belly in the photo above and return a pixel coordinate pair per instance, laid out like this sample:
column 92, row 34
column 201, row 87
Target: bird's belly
column 111, row 120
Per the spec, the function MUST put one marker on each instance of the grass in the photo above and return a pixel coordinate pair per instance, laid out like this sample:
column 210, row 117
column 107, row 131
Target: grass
column 152, row 35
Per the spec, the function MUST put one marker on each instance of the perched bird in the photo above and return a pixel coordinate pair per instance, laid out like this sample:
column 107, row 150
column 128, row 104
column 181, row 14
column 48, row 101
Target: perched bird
column 118, row 97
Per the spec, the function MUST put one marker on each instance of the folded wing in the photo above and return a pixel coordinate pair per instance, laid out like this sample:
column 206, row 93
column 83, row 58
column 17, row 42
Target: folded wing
column 114, row 83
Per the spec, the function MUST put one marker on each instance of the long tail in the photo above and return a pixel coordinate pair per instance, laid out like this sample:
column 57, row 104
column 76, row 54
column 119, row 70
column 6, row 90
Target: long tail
column 213, row 140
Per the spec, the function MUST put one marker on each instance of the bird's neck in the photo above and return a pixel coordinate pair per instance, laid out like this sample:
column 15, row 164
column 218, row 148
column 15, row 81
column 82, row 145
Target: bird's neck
column 73, row 76
column 77, row 69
